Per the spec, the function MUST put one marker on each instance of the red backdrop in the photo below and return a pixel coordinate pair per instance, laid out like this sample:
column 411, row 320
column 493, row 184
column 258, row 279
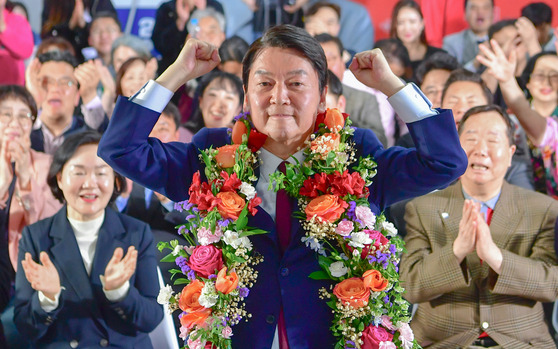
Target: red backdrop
column 443, row 17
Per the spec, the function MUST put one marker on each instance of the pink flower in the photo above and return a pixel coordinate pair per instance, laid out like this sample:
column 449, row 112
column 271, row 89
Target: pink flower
column 372, row 336
column 379, row 238
column 227, row 332
column 344, row 228
column 386, row 322
column 183, row 332
column 406, row 336
column 197, row 344
column 366, row 216
column 206, row 260
column 387, row 345
column 207, row 237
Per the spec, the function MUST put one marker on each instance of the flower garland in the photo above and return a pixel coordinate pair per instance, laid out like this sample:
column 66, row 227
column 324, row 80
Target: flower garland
column 357, row 250
column 218, row 266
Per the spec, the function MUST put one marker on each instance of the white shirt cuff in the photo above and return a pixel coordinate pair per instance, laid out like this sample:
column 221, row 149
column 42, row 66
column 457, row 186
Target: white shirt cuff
column 48, row 304
column 118, row 294
column 411, row 104
column 153, row 96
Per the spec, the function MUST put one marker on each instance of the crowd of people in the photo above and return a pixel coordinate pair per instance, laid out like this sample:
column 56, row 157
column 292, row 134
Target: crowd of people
column 472, row 190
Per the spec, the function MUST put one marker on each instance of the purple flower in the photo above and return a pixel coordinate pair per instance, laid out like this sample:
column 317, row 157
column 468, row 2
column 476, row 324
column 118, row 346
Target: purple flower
column 191, row 275
column 212, row 276
column 190, row 216
column 392, row 249
column 243, row 292
column 178, row 206
column 182, row 230
column 224, row 223
column 386, row 299
column 181, row 261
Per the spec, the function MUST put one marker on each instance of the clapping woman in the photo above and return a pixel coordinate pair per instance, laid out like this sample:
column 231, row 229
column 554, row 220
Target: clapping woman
column 87, row 276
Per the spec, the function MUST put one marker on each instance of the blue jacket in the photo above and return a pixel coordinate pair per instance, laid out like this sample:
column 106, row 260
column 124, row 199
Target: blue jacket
column 168, row 169
column 84, row 315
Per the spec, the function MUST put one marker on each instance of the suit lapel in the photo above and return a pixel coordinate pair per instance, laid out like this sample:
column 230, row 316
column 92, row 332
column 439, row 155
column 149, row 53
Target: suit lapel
column 506, row 216
column 67, row 258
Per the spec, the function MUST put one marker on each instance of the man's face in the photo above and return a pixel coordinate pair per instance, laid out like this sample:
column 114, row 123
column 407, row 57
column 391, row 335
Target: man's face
column 323, row 21
column 165, row 129
column 283, row 95
column 58, row 87
column 334, row 59
column 479, row 14
column 508, row 38
column 485, row 141
column 102, row 34
column 462, row 96
column 210, row 31
column 334, row 101
column 433, row 85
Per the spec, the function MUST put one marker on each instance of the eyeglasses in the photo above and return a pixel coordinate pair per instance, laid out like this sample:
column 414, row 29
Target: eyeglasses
column 63, row 83
column 552, row 78
column 24, row 119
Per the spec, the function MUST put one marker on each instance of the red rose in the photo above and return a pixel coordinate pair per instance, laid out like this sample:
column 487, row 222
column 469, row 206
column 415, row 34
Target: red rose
column 205, row 260
column 343, row 184
column 372, row 336
column 232, row 183
column 315, row 186
column 252, row 204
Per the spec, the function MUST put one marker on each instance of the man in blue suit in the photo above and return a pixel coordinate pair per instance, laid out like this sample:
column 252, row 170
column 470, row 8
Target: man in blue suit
column 285, row 78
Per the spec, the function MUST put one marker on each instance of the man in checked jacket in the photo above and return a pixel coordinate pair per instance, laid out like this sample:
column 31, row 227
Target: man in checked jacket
column 481, row 255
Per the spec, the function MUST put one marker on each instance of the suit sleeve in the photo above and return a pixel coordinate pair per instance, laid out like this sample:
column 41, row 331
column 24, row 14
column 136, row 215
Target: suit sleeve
column 428, row 270
column 139, row 309
column 436, row 162
column 30, row 319
column 534, row 276
column 166, row 168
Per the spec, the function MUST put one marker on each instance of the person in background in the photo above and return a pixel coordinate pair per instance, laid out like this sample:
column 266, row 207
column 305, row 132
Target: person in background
column 334, row 96
column 361, row 105
column 464, row 45
column 170, row 31
column 105, row 27
column 207, row 25
column 69, row 19
column 16, row 45
column 323, row 17
column 476, row 258
column 540, row 14
column 133, row 74
column 128, row 46
column 407, row 25
column 232, row 51
column 87, row 276
column 220, row 99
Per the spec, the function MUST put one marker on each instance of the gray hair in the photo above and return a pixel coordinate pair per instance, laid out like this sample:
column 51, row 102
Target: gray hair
column 141, row 47
column 207, row 12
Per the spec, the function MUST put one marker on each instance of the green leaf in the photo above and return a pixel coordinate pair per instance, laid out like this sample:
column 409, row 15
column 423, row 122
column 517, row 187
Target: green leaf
column 319, row 275
column 361, row 327
column 330, row 158
column 168, row 258
column 181, row 281
column 161, row 245
column 242, row 220
column 332, row 304
column 252, row 232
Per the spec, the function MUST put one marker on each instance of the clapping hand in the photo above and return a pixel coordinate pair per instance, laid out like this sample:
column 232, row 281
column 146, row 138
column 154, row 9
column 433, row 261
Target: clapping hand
column 42, row 277
column 119, row 270
column 17, row 151
column 495, row 60
column 372, row 69
column 87, row 76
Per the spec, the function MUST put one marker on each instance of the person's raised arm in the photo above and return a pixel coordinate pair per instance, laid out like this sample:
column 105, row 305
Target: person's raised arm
column 502, row 69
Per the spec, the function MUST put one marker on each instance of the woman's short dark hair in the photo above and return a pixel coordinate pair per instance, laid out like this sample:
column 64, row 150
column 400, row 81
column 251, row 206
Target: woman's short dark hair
column 334, row 85
column 439, row 60
column 288, row 36
column 462, row 74
column 394, row 48
column 123, row 69
column 65, row 153
column 20, row 93
column 485, row 109
column 196, row 123
column 233, row 49
column 496, row 27
column 530, row 67
column 398, row 7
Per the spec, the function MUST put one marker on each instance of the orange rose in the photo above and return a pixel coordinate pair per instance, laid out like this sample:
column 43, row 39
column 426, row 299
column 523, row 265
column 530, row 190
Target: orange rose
column 188, row 301
column 325, row 143
column 327, row 207
column 334, row 120
column 374, row 280
column 231, row 204
column 195, row 319
column 225, row 155
column 226, row 283
column 352, row 291
column 239, row 130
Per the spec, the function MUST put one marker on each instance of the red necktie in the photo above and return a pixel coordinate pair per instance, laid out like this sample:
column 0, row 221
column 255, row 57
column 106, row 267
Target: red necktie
column 283, row 226
column 489, row 212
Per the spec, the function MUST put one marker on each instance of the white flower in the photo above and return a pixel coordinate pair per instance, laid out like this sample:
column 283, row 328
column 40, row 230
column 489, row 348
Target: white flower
column 359, row 239
column 165, row 294
column 391, row 229
column 387, row 345
column 337, row 269
column 177, row 250
column 366, row 216
column 248, row 190
column 208, row 296
column 231, row 238
column 313, row 243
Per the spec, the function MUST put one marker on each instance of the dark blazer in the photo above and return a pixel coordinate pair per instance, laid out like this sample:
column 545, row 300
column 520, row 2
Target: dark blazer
column 282, row 280
column 84, row 314
column 154, row 215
